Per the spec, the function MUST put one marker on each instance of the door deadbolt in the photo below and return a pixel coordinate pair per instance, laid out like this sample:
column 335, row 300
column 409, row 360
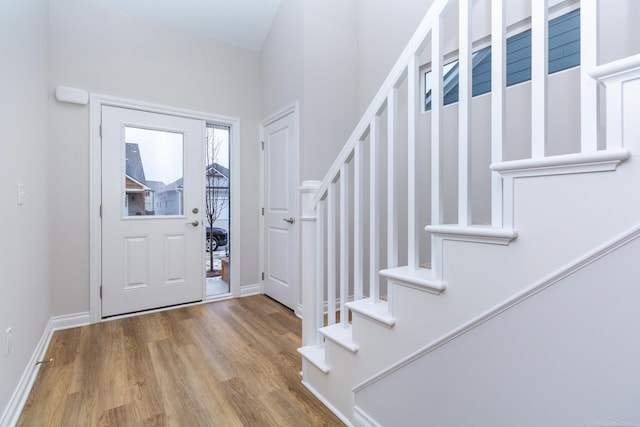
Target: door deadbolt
column 195, row 210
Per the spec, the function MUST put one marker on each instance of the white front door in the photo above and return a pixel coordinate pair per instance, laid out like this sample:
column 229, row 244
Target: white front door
column 280, row 210
column 152, row 204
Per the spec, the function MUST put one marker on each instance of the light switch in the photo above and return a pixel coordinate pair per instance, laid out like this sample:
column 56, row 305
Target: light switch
column 21, row 194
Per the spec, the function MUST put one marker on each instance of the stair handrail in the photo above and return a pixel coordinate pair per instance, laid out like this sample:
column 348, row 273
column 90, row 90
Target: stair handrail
column 418, row 39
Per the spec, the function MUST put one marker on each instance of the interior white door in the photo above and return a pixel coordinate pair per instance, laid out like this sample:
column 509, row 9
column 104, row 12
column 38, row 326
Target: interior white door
column 152, row 199
column 280, row 210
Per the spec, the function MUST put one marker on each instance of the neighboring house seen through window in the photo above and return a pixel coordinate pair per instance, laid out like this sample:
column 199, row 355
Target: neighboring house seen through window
column 564, row 53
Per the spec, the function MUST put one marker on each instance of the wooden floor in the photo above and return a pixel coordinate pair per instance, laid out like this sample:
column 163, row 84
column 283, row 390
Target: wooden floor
column 228, row 363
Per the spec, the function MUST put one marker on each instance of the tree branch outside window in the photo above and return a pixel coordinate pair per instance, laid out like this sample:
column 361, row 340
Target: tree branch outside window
column 217, row 193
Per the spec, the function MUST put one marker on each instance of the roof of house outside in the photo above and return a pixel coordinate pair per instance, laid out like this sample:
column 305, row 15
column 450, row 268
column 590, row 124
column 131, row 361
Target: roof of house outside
column 134, row 167
column 219, row 169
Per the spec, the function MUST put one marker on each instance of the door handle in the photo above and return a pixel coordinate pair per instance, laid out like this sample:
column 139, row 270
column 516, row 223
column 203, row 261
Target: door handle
column 289, row 220
column 194, row 223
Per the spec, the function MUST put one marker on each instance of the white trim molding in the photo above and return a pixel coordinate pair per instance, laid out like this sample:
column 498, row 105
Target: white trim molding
column 362, row 419
column 326, row 403
column 597, row 161
column 474, row 233
column 21, row 393
column 550, row 280
column 96, row 102
column 615, row 68
column 420, row 279
column 341, row 334
column 69, row 321
column 248, row 290
column 377, row 312
column 315, row 356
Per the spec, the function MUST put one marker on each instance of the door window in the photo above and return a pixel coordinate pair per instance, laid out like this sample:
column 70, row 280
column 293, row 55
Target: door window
column 153, row 173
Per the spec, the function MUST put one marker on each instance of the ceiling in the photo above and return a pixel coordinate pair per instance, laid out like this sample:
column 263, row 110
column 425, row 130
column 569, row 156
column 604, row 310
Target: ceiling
column 242, row 23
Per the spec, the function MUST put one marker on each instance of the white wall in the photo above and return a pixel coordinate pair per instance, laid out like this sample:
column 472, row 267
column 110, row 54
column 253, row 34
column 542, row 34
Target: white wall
column 24, row 260
column 281, row 59
column 618, row 17
column 384, row 28
column 105, row 52
column 310, row 56
column 330, row 82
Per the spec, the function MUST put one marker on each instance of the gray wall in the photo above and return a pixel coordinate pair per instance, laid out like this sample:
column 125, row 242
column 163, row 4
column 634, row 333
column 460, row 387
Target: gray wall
column 104, row 52
column 24, row 255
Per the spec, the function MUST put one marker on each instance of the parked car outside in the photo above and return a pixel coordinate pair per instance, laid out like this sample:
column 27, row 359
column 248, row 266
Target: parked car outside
column 219, row 238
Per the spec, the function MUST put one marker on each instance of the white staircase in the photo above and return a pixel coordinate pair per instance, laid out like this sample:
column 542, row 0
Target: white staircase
column 380, row 291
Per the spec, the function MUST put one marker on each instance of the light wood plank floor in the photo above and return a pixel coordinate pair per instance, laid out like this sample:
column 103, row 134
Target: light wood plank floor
column 228, row 363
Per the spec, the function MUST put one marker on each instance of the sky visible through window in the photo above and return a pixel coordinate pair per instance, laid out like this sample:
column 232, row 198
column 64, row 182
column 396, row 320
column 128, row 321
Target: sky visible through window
column 161, row 153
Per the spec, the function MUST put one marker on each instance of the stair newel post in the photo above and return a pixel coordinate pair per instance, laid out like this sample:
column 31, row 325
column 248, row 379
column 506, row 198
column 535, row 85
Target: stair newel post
column 344, row 243
column 437, row 194
column 464, row 114
column 358, row 224
column 308, row 236
column 331, row 252
column 539, row 78
column 498, row 105
column 413, row 77
column 589, row 101
column 374, row 209
column 392, row 198
column 320, row 270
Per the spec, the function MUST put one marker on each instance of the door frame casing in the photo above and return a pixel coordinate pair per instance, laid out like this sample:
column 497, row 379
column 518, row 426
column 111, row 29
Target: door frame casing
column 294, row 109
column 97, row 101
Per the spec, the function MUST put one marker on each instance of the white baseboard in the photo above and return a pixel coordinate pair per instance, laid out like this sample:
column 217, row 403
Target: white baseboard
column 298, row 311
column 326, row 403
column 362, row 419
column 248, row 290
column 21, row 393
column 69, row 321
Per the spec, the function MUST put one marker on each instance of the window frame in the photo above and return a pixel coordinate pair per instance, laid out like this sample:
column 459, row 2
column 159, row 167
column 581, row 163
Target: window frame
column 512, row 30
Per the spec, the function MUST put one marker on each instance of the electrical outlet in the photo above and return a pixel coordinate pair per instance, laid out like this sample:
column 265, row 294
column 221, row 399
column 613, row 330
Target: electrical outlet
column 21, row 194
column 9, row 341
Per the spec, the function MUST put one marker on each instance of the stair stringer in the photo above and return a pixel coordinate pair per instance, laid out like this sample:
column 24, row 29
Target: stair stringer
column 479, row 276
column 378, row 347
column 566, row 347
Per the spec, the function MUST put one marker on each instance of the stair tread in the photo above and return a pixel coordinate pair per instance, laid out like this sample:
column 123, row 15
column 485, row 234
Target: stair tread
column 340, row 334
column 315, row 355
column 421, row 278
column 376, row 311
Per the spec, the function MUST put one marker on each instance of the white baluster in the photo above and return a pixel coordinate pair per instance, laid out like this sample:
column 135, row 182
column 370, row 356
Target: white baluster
column 498, row 104
column 464, row 115
column 320, row 268
column 589, row 90
column 331, row 254
column 358, row 224
column 344, row 243
column 392, row 199
column 413, row 228
column 437, row 203
column 539, row 77
column 374, row 213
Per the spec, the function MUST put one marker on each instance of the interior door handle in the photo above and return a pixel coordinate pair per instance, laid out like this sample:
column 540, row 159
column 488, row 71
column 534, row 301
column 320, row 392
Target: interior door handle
column 289, row 220
column 194, row 223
